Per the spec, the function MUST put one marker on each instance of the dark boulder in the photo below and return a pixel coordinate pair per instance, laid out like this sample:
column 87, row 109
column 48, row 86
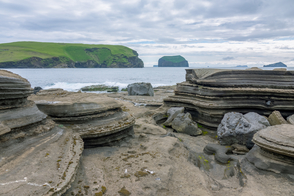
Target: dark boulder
column 37, row 89
column 141, row 89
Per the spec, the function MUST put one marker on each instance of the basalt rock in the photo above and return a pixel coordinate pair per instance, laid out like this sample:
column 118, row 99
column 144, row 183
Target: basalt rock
column 183, row 123
column 236, row 128
column 274, row 150
column 140, row 89
column 172, row 113
column 208, row 94
column 98, row 119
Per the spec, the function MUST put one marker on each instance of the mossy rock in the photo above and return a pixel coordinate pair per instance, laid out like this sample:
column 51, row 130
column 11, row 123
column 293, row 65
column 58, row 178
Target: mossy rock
column 101, row 88
column 124, row 192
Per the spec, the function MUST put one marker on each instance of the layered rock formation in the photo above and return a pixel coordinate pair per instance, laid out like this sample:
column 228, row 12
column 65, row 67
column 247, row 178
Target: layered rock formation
column 98, row 119
column 37, row 157
column 275, row 149
column 210, row 93
column 172, row 61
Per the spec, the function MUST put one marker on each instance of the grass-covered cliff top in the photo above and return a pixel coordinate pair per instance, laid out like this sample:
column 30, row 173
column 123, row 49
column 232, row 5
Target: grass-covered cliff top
column 174, row 59
column 77, row 52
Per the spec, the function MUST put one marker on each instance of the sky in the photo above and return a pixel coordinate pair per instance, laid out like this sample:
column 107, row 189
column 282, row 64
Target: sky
column 206, row 33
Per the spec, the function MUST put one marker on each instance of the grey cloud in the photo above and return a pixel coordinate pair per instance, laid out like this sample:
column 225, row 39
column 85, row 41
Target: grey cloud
column 228, row 58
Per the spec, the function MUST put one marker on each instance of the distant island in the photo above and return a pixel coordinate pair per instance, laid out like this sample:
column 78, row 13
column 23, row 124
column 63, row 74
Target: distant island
column 67, row 55
column 172, row 61
column 155, row 66
column 279, row 64
column 241, row 66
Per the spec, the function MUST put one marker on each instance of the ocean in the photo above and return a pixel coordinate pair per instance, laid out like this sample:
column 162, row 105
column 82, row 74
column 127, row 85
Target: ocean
column 74, row 79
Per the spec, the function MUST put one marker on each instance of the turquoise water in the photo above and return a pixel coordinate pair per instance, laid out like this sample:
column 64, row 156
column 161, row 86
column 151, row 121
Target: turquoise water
column 74, row 79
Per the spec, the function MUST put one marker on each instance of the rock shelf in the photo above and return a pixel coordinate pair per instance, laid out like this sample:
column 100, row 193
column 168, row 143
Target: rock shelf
column 210, row 93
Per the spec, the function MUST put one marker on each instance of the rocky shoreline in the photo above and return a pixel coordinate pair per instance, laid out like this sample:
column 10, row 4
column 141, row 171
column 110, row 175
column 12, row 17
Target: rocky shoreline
column 65, row 143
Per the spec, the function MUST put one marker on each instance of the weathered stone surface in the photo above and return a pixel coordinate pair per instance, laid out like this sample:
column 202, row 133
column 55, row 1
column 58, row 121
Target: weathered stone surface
column 209, row 93
column 142, row 89
column 172, row 113
column 45, row 164
column 276, row 119
column 274, row 149
column 220, row 152
column 239, row 149
column 98, row 119
column 239, row 128
column 183, row 123
column 14, row 90
column 278, row 139
column 290, row 119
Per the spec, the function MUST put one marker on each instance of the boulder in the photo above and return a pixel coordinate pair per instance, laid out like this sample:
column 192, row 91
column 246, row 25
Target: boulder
column 141, row 89
column 208, row 94
column 290, row 119
column 172, row 113
column 37, row 89
column 274, row 149
column 183, row 123
column 238, row 128
column 275, row 118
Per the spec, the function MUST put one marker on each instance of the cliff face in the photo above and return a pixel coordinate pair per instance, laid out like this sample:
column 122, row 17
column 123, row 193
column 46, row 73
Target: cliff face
column 172, row 61
column 54, row 55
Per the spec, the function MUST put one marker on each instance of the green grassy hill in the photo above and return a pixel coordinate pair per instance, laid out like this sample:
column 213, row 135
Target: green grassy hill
column 106, row 55
column 173, row 59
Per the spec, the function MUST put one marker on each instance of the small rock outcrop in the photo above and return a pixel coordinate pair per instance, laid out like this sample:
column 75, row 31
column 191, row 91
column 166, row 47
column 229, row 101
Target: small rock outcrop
column 172, row 61
column 208, row 94
column 290, row 119
column 183, row 123
column 37, row 156
column 279, row 64
column 101, row 88
column 236, row 128
column 274, row 149
column 37, row 89
column 275, row 118
column 172, row 113
column 98, row 119
column 140, row 89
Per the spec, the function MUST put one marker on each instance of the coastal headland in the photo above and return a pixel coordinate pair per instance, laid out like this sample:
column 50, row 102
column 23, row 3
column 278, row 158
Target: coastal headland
column 67, row 55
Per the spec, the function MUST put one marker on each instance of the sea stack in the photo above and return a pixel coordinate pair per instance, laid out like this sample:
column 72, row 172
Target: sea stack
column 172, row 61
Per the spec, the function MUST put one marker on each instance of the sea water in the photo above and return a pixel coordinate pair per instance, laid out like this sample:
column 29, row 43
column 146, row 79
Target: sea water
column 74, row 79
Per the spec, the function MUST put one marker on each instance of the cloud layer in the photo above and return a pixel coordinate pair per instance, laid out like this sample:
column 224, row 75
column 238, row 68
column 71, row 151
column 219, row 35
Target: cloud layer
column 204, row 32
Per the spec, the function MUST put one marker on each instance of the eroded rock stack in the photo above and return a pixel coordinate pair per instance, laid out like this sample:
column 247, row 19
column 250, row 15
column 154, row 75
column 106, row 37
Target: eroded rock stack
column 98, row 119
column 274, row 149
column 37, row 157
column 207, row 94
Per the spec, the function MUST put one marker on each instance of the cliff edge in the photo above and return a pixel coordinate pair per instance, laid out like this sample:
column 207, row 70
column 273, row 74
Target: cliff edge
column 66, row 55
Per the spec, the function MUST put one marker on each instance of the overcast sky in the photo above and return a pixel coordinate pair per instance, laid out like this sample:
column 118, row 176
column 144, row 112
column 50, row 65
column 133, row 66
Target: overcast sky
column 215, row 32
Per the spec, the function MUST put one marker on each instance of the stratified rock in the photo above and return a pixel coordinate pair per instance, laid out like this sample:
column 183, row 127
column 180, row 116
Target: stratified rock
column 142, row 89
column 37, row 89
column 98, row 119
column 208, row 94
column 172, row 113
column 276, row 118
column 274, row 150
column 183, row 123
column 14, row 90
column 44, row 164
column 37, row 157
column 172, row 61
column 236, row 128
column 290, row 119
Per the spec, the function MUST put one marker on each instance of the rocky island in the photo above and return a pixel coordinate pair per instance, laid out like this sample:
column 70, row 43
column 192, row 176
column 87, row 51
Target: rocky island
column 218, row 133
column 172, row 61
column 279, row 64
column 67, row 55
